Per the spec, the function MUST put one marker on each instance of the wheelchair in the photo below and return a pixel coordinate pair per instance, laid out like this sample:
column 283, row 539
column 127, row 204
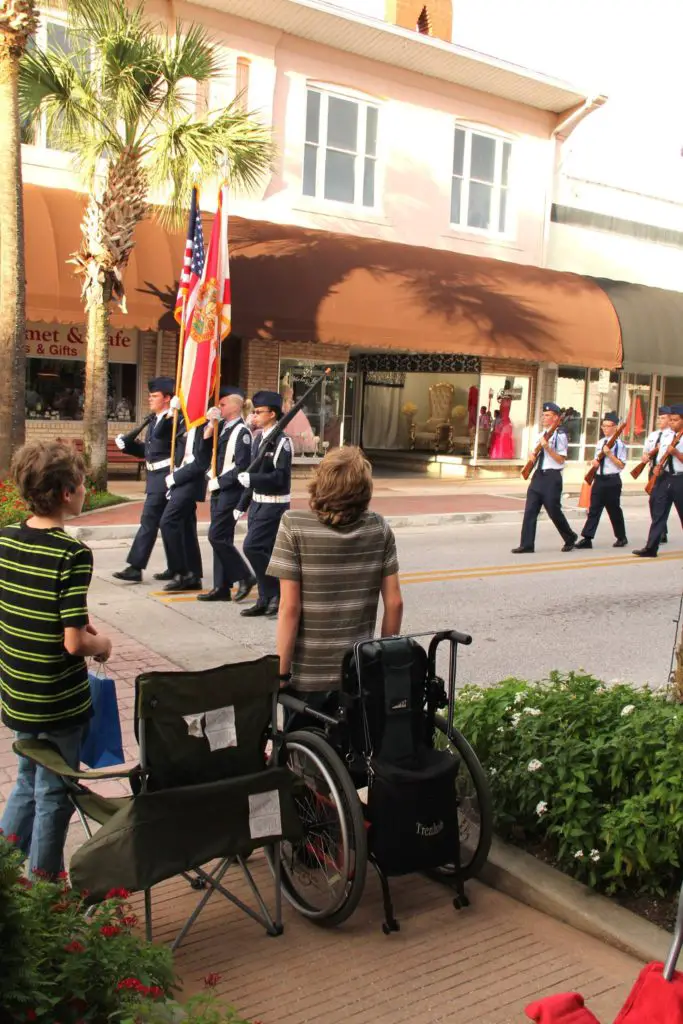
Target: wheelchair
column 389, row 688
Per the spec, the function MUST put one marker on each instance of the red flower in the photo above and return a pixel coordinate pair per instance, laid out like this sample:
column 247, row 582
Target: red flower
column 130, row 921
column 117, row 894
column 109, row 930
column 31, row 1015
column 62, row 876
column 211, row 980
column 12, row 837
column 134, row 984
column 75, row 947
column 24, row 882
column 155, row 992
column 59, row 908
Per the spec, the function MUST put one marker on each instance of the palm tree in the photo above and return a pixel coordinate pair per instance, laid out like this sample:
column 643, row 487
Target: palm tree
column 18, row 22
column 123, row 102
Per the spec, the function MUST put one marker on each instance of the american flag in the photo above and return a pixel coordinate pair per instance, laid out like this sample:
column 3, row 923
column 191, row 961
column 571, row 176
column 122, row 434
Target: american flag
column 193, row 262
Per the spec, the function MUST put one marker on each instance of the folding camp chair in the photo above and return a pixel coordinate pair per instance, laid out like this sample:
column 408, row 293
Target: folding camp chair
column 203, row 791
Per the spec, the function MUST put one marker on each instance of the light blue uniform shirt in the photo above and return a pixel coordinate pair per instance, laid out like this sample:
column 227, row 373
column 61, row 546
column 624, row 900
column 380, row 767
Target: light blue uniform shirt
column 607, row 467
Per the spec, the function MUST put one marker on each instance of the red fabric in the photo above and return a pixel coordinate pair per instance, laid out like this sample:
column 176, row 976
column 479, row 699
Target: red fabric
column 472, row 405
column 635, row 418
column 566, row 1008
column 653, row 1000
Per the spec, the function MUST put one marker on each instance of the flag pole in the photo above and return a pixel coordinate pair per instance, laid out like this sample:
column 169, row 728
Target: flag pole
column 217, row 385
column 179, row 370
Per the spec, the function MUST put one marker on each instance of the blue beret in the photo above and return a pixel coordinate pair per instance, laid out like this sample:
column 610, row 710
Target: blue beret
column 164, row 384
column 664, row 410
column 611, row 417
column 270, row 398
column 677, row 409
column 551, row 407
column 228, row 390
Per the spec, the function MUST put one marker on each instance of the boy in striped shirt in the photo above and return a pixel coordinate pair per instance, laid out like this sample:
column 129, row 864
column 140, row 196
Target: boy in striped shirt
column 45, row 637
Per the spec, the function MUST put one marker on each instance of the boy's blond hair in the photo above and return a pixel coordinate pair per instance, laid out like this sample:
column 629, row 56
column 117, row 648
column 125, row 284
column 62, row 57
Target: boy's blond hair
column 341, row 489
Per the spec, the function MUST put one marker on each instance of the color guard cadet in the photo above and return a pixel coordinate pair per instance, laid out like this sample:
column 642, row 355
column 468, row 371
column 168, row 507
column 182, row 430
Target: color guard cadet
column 156, row 451
column 545, row 489
column 606, row 489
column 270, row 488
column 185, row 485
column 650, row 447
column 668, row 489
column 233, row 456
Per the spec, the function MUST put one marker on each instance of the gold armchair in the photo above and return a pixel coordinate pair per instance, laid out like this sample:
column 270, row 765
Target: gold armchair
column 437, row 431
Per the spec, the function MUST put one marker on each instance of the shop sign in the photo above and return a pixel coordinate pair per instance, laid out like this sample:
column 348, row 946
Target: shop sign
column 514, row 394
column 603, row 382
column 67, row 341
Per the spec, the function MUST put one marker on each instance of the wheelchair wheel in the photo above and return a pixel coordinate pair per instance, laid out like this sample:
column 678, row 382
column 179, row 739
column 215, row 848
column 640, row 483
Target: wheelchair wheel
column 323, row 875
column 475, row 810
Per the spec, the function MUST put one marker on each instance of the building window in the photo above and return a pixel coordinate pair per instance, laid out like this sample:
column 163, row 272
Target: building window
column 242, row 83
column 479, row 191
column 423, row 24
column 52, row 34
column 340, row 154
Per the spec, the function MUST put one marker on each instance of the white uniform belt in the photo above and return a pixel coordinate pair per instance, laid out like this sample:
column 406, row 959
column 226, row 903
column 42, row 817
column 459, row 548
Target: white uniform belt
column 273, row 499
column 162, row 464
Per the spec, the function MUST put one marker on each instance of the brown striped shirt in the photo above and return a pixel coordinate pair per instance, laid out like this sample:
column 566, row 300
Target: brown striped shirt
column 341, row 572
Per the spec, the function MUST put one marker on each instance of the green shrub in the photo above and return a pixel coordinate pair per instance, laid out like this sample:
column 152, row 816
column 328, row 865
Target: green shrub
column 592, row 774
column 13, row 509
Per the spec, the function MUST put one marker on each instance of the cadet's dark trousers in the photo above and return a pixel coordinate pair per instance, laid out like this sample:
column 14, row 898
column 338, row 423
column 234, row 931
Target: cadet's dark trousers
column 652, row 515
column 667, row 491
column 179, row 531
column 605, row 494
column 545, row 491
column 145, row 538
column 264, row 520
column 228, row 564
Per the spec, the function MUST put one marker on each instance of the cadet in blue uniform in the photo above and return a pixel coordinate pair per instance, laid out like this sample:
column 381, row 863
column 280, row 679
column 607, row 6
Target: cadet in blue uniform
column 156, row 451
column 233, row 456
column 668, row 490
column 606, row 489
column 186, row 486
column 650, row 448
column 269, row 490
column 545, row 489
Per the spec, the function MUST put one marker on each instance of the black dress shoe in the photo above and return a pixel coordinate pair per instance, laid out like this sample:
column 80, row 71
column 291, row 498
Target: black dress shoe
column 165, row 575
column 585, row 542
column 645, row 553
column 273, row 607
column 217, row 594
column 570, row 544
column 129, row 575
column 521, row 550
column 620, row 543
column 182, row 583
column 254, row 610
column 664, row 539
column 244, row 588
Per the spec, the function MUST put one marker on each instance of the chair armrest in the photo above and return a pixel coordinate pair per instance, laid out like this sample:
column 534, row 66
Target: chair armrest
column 48, row 756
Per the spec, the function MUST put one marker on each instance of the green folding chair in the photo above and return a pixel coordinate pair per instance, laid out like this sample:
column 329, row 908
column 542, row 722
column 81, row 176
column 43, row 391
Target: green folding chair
column 204, row 795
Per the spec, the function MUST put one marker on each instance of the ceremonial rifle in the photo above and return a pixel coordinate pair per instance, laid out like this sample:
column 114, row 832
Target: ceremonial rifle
column 137, row 430
column 651, row 458
column 659, row 468
column 528, row 469
column 607, row 447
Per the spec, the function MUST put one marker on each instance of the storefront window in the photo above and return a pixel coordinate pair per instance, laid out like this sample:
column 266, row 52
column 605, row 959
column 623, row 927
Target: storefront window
column 602, row 397
column 428, row 411
column 319, row 424
column 570, row 395
column 503, row 426
column 636, row 398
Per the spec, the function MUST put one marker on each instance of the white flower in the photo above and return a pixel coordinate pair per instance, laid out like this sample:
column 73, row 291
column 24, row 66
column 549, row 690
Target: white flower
column 534, row 765
column 534, row 712
column 541, row 808
column 492, row 771
column 520, row 697
column 595, row 856
column 515, row 720
column 476, row 696
column 629, row 709
column 578, row 855
column 500, row 729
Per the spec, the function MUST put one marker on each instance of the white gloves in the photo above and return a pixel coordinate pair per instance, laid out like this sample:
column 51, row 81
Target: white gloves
column 170, row 480
column 175, row 403
column 237, row 514
column 243, row 479
column 213, row 413
column 119, row 442
column 213, row 484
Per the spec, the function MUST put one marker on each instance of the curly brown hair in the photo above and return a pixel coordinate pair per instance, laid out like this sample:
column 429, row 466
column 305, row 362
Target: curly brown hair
column 43, row 470
column 341, row 488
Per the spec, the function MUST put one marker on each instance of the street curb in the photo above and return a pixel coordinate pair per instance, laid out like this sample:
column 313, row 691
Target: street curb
column 530, row 881
column 126, row 531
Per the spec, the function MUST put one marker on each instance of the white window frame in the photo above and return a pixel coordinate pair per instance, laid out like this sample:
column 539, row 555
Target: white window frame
column 497, row 185
column 55, row 17
column 364, row 103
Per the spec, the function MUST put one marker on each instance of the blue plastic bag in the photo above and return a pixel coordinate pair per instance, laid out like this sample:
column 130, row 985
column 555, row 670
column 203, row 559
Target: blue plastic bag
column 103, row 745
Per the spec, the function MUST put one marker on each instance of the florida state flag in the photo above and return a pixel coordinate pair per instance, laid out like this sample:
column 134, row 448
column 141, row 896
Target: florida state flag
column 207, row 322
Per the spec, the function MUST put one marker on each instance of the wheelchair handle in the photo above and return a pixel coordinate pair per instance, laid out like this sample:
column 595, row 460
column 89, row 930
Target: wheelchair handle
column 454, row 636
column 294, row 704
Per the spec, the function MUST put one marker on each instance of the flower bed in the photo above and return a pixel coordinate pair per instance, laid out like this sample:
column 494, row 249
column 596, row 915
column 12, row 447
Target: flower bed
column 13, row 509
column 58, row 965
column 589, row 775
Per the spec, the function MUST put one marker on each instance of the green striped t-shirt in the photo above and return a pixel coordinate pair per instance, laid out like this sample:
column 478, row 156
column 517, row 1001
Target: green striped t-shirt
column 44, row 579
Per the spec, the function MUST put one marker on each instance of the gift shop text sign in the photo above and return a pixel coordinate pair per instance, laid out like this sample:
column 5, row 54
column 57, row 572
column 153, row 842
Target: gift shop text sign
column 67, row 341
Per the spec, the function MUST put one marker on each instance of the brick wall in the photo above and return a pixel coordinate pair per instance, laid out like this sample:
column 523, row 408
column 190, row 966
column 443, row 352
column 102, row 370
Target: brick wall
column 260, row 362
column 316, row 353
column 406, row 13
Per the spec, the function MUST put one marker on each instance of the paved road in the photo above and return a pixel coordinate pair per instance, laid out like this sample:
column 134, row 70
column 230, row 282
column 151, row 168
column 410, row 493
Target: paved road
column 602, row 610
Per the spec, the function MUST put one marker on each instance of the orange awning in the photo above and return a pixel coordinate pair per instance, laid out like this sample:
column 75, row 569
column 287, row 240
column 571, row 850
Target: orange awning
column 294, row 284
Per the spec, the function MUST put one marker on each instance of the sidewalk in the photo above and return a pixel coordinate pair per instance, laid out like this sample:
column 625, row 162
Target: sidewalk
column 482, row 965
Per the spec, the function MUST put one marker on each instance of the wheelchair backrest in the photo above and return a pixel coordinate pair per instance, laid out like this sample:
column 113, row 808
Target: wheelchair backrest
column 196, row 727
column 388, row 700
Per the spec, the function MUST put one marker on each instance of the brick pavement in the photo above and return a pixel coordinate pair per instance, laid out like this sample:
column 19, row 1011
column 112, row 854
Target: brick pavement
column 482, row 964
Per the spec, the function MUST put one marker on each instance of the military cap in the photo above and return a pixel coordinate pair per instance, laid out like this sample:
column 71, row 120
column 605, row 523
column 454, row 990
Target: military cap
column 270, row 398
column 551, row 407
column 611, row 417
column 664, row 410
column 677, row 409
column 164, row 384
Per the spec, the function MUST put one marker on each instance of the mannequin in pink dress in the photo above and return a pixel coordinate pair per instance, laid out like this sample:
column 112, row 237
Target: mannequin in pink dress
column 299, row 430
column 502, row 444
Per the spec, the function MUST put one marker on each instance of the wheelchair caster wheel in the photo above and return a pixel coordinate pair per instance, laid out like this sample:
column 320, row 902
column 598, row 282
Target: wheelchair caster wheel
column 460, row 902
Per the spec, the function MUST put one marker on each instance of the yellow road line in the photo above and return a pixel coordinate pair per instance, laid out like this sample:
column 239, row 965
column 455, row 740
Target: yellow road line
column 443, row 576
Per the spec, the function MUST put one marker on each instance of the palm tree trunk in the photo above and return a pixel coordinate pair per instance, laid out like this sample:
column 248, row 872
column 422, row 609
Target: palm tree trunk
column 12, row 274
column 95, row 404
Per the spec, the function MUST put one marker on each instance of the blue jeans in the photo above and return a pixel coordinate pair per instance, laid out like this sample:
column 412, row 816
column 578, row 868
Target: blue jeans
column 39, row 810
